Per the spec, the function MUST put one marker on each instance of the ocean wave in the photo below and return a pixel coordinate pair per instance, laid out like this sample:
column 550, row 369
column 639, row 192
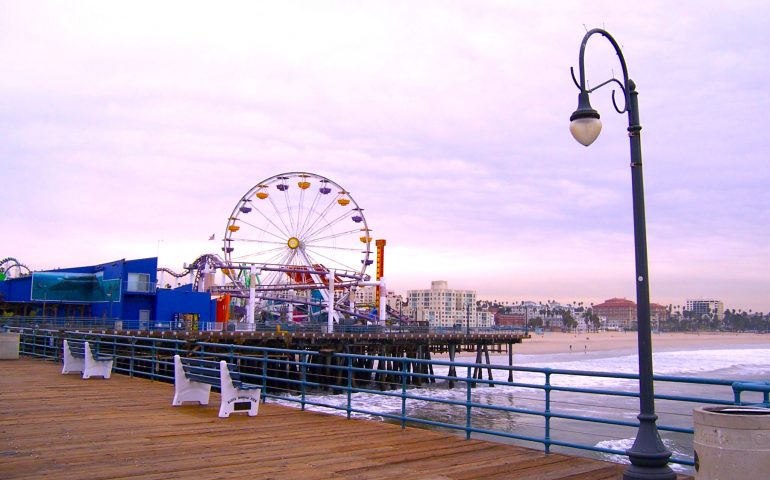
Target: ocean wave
column 624, row 444
column 676, row 363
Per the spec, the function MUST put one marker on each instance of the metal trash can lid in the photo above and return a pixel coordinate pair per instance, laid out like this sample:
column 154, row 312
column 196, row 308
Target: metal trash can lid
column 736, row 410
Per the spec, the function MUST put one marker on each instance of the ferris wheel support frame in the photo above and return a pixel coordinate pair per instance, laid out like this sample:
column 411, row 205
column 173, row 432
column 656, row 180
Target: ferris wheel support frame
column 383, row 300
column 252, row 293
column 331, row 314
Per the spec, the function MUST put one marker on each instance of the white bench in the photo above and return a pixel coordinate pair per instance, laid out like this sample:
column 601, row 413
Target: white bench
column 79, row 357
column 193, row 378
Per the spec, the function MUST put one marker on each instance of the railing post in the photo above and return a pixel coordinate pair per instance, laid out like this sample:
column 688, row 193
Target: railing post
column 303, row 376
column 133, row 356
column 350, row 382
column 547, row 439
column 468, row 387
column 50, row 345
column 154, row 365
column 264, row 376
column 404, row 371
column 510, row 361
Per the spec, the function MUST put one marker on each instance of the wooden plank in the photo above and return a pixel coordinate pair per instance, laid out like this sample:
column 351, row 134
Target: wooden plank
column 64, row 427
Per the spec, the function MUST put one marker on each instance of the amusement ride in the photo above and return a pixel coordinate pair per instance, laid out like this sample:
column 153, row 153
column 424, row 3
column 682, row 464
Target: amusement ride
column 296, row 247
column 12, row 268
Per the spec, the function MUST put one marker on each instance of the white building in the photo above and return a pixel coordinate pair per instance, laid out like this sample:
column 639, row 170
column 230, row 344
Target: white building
column 702, row 307
column 442, row 307
column 366, row 296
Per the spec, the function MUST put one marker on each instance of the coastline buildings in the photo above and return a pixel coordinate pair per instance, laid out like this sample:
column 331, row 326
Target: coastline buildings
column 708, row 307
column 620, row 312
column 441, row 307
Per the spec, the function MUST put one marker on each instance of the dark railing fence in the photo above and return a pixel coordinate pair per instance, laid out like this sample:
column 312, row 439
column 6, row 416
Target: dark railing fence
column 92, row 323
column 550, row 407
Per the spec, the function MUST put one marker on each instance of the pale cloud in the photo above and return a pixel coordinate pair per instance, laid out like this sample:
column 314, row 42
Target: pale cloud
column 129, row 123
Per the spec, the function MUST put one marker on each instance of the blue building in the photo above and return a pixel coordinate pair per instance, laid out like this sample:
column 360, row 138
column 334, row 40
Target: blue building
column 124, row 290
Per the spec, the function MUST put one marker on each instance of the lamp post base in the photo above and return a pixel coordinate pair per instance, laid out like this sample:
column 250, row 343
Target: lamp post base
column 634, row 472
column 648, row 455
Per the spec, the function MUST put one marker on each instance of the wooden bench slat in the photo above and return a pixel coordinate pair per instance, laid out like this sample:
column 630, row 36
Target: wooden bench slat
column 207, row 371
column 246, row 386
column 202, row 379
column 77, row 349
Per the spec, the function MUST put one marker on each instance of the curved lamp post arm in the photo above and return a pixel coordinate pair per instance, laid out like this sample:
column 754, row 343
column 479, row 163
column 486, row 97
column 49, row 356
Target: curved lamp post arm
column 582, row 69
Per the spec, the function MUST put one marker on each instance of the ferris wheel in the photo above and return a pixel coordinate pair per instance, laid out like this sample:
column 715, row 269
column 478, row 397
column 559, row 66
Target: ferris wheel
column 299, row 230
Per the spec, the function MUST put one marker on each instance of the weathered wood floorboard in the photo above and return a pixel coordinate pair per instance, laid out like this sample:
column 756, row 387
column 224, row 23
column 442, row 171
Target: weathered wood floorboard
column 64, row 427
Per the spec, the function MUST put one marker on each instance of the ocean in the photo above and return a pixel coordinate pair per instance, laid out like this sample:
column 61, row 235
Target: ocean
column 734, row 362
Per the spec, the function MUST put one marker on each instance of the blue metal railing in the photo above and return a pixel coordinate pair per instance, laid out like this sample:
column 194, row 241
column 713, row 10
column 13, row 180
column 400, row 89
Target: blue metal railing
column 92, row 323
column 761, row 387
column 309, row 378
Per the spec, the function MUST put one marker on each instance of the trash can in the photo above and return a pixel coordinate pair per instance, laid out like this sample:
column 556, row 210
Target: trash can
column 731, row 442
column 9, row 346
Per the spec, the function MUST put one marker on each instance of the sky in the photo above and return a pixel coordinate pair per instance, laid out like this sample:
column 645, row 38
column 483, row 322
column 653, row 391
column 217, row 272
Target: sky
column 132, row 129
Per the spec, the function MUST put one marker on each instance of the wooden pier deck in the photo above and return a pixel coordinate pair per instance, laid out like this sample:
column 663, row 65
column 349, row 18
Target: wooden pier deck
column 64, row 427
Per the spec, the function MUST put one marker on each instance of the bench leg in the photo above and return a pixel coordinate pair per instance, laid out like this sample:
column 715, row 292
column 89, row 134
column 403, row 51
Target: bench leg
column 71, row 364
column 187, row 391
column 235, row 399
column 99, row 368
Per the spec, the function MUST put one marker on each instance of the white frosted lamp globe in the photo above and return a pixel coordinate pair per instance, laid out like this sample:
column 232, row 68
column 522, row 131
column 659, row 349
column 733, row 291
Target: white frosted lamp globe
column 586, row 129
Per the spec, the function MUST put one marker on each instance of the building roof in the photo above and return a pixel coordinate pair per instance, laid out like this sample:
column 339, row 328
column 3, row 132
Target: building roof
column 616, row 303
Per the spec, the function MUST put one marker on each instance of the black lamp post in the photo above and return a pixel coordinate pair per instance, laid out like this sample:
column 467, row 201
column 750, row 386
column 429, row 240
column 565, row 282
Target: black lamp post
column 648, row 455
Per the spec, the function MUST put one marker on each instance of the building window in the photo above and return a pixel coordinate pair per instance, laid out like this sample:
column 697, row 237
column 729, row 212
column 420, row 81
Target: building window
column 138, row 282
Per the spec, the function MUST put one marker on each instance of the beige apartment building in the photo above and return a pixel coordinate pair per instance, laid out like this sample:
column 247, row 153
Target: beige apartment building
column 441, row 307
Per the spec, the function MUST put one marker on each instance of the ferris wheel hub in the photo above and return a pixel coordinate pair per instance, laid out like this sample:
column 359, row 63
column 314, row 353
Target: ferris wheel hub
column 293, row 243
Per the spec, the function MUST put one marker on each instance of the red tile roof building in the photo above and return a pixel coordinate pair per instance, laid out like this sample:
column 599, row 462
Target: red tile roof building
column 622, row 312
column 617, row 311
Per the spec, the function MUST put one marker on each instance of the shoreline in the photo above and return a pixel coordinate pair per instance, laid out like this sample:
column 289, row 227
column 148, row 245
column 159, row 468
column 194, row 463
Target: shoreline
column 556, row 342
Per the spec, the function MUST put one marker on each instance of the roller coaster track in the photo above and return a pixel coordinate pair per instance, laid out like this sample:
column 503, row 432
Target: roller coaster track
column 8, row 263
column 213, row 262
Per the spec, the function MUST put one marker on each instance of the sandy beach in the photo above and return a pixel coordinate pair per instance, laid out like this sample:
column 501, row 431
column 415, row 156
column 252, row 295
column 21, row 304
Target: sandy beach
column 550, row 342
